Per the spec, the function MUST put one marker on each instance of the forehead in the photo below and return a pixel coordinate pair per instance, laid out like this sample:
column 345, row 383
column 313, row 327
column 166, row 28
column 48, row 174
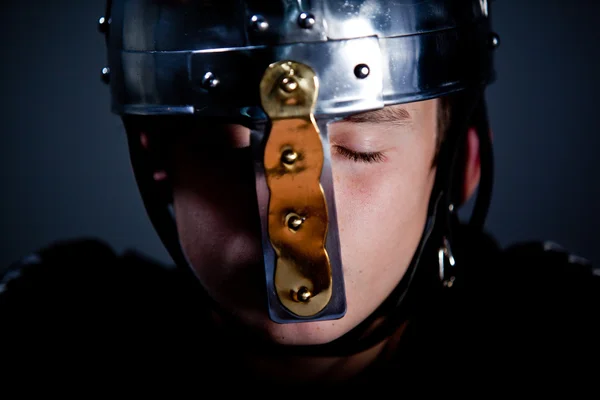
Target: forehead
column 400, row 114
column 397, row 114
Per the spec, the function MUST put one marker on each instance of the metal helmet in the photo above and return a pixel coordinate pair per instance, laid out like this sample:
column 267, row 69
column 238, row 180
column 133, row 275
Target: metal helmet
column 289, row 68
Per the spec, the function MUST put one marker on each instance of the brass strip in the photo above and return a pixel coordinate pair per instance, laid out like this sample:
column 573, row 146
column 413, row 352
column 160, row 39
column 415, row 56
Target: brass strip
column 293, row 159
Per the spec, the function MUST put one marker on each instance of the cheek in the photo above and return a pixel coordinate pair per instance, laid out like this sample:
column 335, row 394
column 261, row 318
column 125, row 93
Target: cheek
column 382, row 211
column 215, row 210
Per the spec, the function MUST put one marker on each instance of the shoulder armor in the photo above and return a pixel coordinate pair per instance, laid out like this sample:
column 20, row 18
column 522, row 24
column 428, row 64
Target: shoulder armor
column 557, row 278
column 548, row 254
column 50, row 264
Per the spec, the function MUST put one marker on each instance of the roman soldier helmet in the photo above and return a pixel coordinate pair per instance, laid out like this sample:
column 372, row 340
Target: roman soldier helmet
column 287, row 69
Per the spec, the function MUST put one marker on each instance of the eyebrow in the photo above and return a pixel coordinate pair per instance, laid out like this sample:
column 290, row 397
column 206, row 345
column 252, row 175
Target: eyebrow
column 386, row 114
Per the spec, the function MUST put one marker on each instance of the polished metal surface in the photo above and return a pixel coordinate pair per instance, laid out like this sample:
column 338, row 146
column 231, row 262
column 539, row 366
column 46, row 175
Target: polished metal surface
column 294, row 221
column 175, row 80
column 103, row 24
column 175, row 25
column 336, row 307
column 303, row 295
column 445, row 252
column 210, row 81
column 289, row 157
column 362, row 71
column 391, row 18
column 306, row 20
column 495, row 40
column 105, row 75
column 259, row 23
column 296, row 213
column 159, row 50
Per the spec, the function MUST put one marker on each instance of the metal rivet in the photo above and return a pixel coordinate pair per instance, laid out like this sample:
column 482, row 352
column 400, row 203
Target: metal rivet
column 494, row 40
column 303, row 295
column 288, row 84
column 306, row 20
column 450, row 282
column 103, row 24
column 210, row 81
column 294, row 221
column 259, row 23
column 362, row 71
column 289, row 157
column 106, row 75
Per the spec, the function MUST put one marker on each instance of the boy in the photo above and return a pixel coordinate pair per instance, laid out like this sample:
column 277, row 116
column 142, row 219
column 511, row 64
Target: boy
column 304, row 165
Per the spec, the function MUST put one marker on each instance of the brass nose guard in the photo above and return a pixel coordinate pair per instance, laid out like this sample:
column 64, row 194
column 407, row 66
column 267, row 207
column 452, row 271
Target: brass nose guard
column 297, row 211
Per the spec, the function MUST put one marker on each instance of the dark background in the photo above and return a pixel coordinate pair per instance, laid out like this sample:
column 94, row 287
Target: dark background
column 65, row 169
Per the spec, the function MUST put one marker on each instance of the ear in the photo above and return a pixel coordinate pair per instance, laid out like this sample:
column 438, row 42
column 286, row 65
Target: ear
column 159, row 173
column 472, row 170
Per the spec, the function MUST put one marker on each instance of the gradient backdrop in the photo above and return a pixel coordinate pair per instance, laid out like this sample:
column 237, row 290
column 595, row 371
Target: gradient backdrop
column 65, row 169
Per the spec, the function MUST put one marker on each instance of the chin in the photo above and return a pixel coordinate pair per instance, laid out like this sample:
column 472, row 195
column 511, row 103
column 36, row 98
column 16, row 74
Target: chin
column 302, row 333
column 246, row 309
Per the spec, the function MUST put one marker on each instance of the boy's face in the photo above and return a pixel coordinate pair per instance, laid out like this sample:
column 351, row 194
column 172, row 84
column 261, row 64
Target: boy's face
column 383, row 178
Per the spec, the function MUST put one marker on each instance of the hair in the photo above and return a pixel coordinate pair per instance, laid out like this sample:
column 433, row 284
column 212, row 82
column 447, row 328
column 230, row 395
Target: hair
column 444, row 114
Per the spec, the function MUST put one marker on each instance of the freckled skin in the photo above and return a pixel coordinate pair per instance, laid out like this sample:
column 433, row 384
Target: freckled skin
column 382, row 208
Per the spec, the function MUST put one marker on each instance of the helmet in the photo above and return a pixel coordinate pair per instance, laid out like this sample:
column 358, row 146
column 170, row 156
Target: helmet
column 287, row 69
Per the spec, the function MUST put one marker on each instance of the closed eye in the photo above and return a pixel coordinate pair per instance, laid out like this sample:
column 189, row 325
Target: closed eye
column 367, row 157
